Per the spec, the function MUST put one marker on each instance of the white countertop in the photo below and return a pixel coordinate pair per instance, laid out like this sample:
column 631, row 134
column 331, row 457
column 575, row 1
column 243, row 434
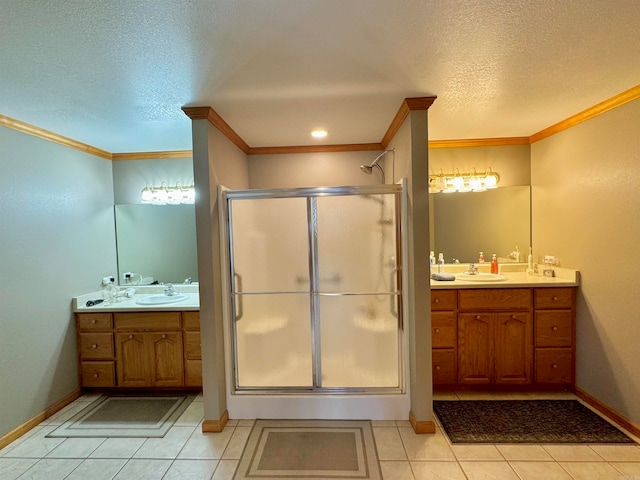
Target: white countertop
column 516, row 277
column 124, row 304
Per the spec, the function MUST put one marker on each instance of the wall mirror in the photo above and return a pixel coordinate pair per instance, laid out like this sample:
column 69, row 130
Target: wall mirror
column 493, row 221
column 156, row 241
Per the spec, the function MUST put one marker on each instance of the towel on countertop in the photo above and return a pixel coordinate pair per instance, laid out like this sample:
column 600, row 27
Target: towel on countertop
column 443, row 277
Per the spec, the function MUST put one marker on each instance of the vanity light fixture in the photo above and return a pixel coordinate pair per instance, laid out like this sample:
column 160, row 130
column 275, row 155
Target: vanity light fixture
column 164, row 195
column 319, row 133
column 463, row 182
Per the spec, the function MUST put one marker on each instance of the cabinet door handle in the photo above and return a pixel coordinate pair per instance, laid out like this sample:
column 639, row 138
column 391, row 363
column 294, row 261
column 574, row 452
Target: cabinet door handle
column 437, row 330
column 130, row 337
column 95, row 375
column 554, row 328
column 94, row 346
column 513, row 317
column 555, row 365
column 164, row 335
column 437, row 367
column 436, row 300
column 478, row 317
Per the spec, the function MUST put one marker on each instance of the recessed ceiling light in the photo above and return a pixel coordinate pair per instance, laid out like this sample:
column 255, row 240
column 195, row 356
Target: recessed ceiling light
column 319, row 133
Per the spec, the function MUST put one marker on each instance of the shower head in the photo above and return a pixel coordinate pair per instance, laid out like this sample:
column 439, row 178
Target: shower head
column 368, row 169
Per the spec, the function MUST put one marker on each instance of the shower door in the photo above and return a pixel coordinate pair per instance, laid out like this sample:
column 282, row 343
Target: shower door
column 315, row 294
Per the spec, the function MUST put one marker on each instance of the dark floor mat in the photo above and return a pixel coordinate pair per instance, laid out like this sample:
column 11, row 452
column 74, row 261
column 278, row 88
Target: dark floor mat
column 524, row 421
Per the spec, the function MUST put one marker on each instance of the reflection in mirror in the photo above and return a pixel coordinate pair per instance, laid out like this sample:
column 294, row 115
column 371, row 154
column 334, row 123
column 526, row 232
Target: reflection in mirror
column 494, row 221
column 156, row 243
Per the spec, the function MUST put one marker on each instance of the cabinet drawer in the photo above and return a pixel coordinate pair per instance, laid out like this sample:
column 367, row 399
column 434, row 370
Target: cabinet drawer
column 98, row 374
column 191, row 320
column 94, row 322
column 146, row 322
column 193, row 373
column 554, row 365
column 443, row 330
column 554, row 328
column 494, row 299
column 192, row 345
column 553, row 297
column 443, row 299
column 444, row 366
column 96, row 346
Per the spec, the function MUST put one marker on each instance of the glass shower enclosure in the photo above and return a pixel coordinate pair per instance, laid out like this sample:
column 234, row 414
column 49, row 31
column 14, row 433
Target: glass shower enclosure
column 315, row 289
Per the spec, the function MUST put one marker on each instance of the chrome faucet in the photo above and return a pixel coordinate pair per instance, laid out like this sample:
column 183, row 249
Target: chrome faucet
column 168, row 290
column 187, row 281
column 473, row 270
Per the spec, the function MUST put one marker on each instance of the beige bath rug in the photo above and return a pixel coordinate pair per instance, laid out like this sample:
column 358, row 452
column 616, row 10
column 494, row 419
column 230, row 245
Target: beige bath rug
column 126, row 416
column 316, row 449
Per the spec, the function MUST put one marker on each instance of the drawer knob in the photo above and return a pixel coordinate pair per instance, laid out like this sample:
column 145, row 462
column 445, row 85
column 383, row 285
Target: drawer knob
column 555, row 299
column 437, row 367
column 130, row 337
column 94, row 346
column 437, row 300
column 555, row 365
column 92, row 321
column 554, row 328
column 95, row 375
column 164, row 335
column 437, row 330
column 478, row 317
column 513, row 317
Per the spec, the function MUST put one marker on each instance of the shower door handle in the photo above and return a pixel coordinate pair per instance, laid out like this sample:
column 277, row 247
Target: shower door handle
column 238, row 308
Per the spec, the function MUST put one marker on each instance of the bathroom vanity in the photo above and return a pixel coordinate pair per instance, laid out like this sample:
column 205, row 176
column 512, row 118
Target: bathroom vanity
column 515, row 334
column 127, row 345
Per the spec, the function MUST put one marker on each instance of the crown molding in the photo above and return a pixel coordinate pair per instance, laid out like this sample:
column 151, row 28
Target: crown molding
column 29, row 129
column 151, row 155
column 408, row 104
column 479, row 142
column 347, row 147
column 208, row 113
column 598, row 109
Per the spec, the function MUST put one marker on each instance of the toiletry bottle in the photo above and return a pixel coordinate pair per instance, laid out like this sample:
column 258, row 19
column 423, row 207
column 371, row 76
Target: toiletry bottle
column 481, row 259
column 432, row 261
column 517, row 254
column 440, row 263
column 494, row 264
column 530, row 261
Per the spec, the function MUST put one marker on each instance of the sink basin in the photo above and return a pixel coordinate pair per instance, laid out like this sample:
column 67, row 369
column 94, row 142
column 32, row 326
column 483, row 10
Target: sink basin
column 481, row 277
column 161, row 299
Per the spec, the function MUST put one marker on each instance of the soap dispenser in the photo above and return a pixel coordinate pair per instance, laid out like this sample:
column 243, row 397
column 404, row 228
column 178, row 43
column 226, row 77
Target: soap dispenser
column 494, row 264
column 481, row 258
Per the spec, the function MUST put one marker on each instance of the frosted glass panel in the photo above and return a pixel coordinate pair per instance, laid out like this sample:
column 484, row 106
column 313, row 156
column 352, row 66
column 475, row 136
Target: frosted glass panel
column 357, row 243
column 274, row 341
column 359, row 337
column 270, row 244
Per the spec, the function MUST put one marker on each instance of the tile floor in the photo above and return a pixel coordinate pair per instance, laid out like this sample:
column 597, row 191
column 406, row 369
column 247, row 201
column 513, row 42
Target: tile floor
column 186, row 453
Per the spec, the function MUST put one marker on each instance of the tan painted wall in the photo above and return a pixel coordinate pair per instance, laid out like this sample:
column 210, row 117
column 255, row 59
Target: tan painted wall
column 586, row 197
column 512, row 162
column 312, row 170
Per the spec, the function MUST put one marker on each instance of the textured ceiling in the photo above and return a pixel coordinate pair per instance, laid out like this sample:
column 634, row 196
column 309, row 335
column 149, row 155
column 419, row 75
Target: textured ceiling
column 115, row 73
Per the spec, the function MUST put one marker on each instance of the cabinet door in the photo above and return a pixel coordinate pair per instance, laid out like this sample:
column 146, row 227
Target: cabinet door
column 475, row 348
column 166, row 359
column 132, row 366
column 514, row 348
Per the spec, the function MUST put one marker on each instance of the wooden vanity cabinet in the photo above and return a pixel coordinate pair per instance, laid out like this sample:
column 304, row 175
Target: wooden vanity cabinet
column 444, row 335
column 96, row 349
column 555, row 335
column 503, row 336
column 139, row 349
column 495, row 336
column 192, row 349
